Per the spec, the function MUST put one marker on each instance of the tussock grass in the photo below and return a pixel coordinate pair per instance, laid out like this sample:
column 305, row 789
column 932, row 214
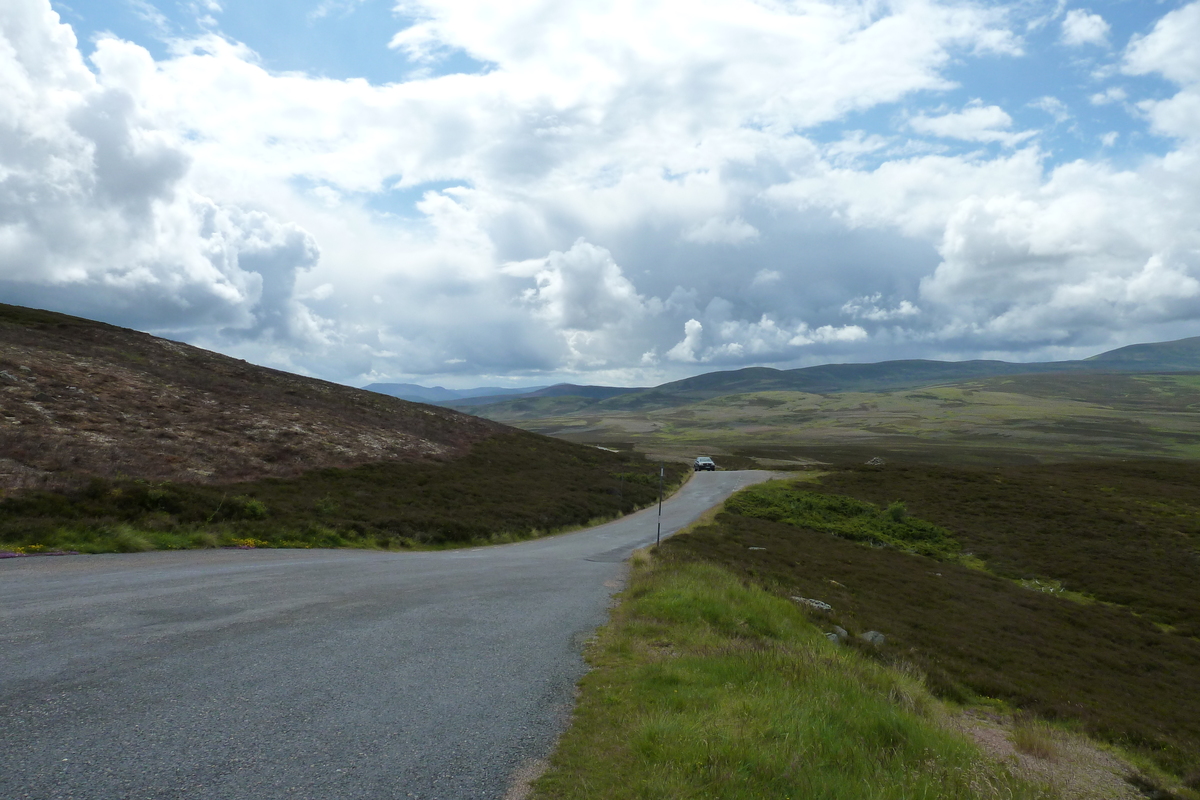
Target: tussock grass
column 706, row 687
column 1034, row 737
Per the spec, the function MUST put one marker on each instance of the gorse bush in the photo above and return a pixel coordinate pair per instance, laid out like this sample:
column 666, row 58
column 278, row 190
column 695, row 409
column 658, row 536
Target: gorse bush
column 844, row 517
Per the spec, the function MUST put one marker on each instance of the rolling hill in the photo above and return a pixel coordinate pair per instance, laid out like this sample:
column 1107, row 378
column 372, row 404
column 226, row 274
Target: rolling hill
column 557, row 390
column 83, row 397
column 1164, row 357
column 439, row 394
column 1020, row 418
column 111, row 439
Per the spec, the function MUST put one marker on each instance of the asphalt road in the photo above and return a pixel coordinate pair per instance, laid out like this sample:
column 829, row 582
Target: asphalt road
column 324, row 674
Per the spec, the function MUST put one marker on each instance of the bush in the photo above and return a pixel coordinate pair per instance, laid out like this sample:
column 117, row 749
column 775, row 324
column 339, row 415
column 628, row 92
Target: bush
column 249, row 508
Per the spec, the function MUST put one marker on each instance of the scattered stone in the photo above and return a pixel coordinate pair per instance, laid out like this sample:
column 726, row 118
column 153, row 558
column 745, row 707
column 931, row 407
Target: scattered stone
column 841, row 633
column 876, row 462
column 8, row 377
column 25, row 369
column 833, row 637
column 757, row 548
column 873, row 637
column 819, row 605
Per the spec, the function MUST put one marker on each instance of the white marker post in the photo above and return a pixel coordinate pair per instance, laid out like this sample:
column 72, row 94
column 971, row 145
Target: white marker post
column 658, row 536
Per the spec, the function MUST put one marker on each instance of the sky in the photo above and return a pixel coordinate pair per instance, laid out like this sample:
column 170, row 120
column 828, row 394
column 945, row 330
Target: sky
column 464, row 193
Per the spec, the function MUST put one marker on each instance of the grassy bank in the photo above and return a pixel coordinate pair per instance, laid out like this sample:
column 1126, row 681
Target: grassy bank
column 1067, row 592
column 508, row 487
column 707, row 687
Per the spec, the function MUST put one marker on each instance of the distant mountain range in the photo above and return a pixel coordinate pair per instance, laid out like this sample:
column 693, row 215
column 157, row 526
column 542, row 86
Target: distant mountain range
column 438, row 394
column 1182, row 355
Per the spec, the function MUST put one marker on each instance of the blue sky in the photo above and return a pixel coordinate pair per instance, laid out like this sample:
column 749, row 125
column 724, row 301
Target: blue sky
column 459, row 192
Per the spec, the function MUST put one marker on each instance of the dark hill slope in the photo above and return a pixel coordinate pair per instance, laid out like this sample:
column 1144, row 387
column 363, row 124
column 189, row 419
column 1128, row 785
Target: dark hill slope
column 113, row 440
column 1181, row 355
column 557, row 390
column 854, row 377
column 81, row 398
column 439, row 394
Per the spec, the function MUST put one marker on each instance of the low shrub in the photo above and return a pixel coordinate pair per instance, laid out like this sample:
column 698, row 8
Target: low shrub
column 1123, row 532
column 508, row 487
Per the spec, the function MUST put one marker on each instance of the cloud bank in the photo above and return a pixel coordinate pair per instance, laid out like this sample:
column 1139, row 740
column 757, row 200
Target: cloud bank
column 610, row 194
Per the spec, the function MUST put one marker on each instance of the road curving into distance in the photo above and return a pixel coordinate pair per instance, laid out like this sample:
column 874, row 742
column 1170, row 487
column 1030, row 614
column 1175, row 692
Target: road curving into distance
column 322, row 674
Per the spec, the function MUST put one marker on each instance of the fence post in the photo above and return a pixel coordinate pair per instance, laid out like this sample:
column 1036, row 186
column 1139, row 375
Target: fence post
column 658, row 536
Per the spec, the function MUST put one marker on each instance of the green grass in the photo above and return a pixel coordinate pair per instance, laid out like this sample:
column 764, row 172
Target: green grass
column 507, row 488
column 1123, row 667
column 706, row 687
column 844, row 517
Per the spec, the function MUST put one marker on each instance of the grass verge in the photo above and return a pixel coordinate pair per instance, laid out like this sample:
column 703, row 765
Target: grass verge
column 707, row 687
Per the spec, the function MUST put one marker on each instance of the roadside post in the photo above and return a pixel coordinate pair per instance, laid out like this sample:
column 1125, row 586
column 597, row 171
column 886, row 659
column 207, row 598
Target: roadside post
column 658, row 536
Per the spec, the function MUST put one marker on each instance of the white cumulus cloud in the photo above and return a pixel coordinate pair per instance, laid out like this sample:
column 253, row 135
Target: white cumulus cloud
column 975, row 123
column 96, row 205
column 611, row 176
column 1080, row 27
column 689, row 346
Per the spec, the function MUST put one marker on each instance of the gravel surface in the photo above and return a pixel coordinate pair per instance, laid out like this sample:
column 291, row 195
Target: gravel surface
column 321, row 674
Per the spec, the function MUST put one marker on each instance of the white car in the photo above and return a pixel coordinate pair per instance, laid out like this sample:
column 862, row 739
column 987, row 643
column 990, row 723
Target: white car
column 704, row 462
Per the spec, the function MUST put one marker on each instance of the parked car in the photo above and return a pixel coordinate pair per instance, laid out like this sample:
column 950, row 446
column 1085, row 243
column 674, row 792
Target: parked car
column 704, row 462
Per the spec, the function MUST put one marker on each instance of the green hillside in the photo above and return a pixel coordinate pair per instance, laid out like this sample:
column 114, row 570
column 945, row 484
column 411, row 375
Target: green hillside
column 1180, row 355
